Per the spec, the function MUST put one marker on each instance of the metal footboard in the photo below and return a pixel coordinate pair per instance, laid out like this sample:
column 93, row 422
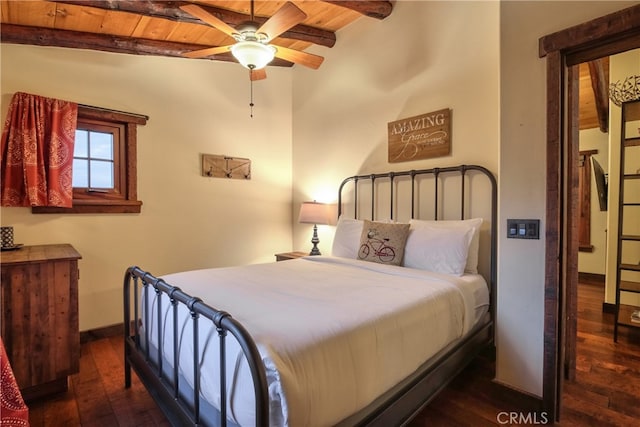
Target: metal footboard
column 166, row 391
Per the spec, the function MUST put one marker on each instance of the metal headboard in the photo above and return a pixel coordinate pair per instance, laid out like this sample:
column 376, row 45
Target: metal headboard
column 437, row 174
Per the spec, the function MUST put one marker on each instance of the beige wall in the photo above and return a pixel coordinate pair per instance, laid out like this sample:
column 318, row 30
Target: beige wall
column 187, row 221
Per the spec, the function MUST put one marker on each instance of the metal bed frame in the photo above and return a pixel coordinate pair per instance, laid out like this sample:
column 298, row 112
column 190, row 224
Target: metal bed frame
column 395, row 407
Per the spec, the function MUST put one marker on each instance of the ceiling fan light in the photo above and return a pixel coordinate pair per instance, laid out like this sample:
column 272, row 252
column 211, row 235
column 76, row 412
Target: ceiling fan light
column 253, row 55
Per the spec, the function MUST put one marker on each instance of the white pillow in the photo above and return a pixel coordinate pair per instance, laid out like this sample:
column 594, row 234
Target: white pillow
column 438, row 249
column 346, row 241
column 474, row 247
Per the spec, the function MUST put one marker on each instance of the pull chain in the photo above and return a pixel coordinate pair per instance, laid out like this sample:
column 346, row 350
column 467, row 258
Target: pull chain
column 251, row 71
column 251, row 89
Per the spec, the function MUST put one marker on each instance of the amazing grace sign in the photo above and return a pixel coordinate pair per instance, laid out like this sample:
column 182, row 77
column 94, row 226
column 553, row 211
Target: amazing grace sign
column 420, row 137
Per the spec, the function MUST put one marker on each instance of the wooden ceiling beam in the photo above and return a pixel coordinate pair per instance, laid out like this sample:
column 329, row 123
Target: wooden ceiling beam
column 373, row 9
column 170, row 10
column 21, row 34
column 600, row 84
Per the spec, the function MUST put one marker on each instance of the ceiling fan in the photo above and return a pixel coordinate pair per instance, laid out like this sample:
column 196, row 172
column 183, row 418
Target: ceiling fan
column 252, row 48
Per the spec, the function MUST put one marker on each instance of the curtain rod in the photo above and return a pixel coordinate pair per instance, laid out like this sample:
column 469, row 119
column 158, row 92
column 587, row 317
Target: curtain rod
column 109, row 110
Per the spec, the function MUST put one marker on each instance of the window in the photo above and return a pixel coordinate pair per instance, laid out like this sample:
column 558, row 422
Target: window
column 104, row 163
column 96, row 159
column 95, row 156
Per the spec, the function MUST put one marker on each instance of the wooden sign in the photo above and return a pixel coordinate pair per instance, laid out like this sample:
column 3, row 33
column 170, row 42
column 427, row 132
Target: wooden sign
column 218, row 166
column 420, row 137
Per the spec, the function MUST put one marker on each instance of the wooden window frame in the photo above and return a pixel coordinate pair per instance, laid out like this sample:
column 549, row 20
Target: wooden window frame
column 124, row 199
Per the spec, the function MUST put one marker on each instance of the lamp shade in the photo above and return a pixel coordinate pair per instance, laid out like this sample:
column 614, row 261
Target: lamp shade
column 253, row 55
column 314, row 213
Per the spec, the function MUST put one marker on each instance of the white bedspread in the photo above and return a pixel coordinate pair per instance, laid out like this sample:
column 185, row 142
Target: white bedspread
column 334, row 333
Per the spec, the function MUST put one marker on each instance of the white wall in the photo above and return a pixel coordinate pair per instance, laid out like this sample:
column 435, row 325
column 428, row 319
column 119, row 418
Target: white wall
column 595, row 261
column 187, row 221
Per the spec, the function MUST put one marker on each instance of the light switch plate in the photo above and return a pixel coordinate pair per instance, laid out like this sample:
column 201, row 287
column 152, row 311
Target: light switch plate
column 523, row 228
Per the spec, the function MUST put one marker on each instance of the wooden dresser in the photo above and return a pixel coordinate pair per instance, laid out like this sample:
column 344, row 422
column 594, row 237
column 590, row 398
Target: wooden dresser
column 39, row 321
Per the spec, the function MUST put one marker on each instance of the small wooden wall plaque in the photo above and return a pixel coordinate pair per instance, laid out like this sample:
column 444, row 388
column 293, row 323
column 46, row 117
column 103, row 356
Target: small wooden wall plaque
column 420, row 137
column 220, row 166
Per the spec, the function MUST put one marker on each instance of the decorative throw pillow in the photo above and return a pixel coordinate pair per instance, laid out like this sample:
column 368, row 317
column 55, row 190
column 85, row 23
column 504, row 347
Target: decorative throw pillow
column 383, row 242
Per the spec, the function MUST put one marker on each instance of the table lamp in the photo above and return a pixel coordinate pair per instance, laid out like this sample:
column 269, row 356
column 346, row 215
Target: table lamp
column 314, row 213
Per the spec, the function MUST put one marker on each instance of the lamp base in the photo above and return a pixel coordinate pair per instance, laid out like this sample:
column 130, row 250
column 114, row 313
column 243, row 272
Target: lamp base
column 315, row 241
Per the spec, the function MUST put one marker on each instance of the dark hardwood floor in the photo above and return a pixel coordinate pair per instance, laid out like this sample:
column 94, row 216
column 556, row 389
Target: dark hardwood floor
column 606, row 391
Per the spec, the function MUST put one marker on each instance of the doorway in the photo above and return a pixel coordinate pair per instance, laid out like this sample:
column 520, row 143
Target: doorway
column 608, row 35
column 599, row 151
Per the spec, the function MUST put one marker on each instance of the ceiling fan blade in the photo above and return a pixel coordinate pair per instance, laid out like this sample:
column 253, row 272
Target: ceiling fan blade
column 298, row 57
column 207, row 52
column 210, row 19
column 286, row 17
column 260, row 74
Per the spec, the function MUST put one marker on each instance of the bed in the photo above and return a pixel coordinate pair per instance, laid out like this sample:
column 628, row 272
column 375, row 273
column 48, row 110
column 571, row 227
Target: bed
column 335, row 339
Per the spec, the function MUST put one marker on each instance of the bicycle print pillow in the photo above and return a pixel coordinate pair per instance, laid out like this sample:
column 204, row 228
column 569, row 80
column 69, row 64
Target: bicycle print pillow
column 383, row 242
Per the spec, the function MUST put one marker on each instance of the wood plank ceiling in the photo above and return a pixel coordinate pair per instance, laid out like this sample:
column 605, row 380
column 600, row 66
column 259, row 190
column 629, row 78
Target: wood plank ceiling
column 151, row 27
column 155, row 27
column 594, row 95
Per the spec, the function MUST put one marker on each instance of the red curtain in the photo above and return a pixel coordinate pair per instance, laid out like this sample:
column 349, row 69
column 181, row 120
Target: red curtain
column 13, row 411
column 37, row 152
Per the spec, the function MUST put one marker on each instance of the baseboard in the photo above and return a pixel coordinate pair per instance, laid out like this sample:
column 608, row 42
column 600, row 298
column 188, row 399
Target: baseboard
column 591, row 278
column 607, row 307
column 519, row 400
column 100, row 333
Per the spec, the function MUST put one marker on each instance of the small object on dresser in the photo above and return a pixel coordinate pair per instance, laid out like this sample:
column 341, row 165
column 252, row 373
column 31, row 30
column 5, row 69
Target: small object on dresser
column 635, row 316
column 6, row 239
column 12, row 248
column 6, row 235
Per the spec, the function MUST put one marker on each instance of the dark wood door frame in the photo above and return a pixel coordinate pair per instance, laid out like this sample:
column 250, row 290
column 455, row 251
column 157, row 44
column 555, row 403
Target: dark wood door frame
column 604, row 36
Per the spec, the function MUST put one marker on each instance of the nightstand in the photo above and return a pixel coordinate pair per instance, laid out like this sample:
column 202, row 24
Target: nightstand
column 290, row 255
